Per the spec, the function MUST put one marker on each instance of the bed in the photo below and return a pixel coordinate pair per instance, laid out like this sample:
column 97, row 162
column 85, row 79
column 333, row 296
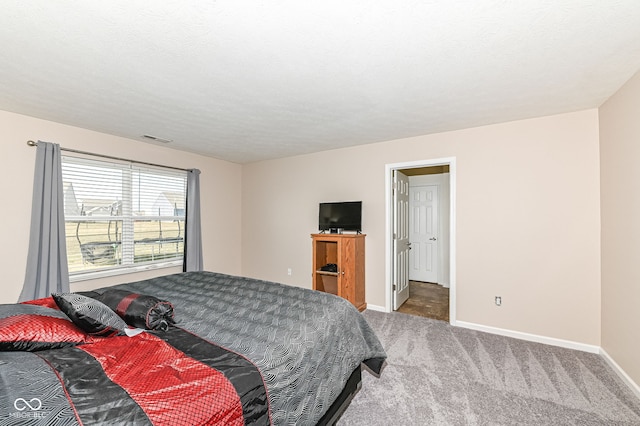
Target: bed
column 274, row 354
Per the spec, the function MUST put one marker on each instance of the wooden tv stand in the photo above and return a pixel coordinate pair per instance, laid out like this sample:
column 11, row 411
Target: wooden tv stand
column 347, row 252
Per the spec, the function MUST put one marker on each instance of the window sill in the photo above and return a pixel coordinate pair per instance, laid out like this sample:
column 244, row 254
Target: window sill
column 85, row 276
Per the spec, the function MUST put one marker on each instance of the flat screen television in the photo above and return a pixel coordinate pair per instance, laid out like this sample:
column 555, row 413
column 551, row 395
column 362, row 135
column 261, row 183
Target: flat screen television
column 340, row 216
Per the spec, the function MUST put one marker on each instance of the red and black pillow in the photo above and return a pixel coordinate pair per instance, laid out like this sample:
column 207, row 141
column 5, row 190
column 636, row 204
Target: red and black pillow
column 139, row 310
column 25, row 327
column 71, row 319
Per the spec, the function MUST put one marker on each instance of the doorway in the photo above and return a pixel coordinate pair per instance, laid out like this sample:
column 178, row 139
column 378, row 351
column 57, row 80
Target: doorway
column 423, row 233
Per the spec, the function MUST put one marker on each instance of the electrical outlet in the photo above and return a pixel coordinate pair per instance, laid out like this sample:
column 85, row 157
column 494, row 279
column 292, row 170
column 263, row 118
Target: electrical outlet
column 289, row 271
column 498, row 301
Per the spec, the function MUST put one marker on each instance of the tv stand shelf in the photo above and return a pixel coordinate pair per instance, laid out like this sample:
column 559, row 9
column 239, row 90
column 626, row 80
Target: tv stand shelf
column 335, row 274
column 347, row 252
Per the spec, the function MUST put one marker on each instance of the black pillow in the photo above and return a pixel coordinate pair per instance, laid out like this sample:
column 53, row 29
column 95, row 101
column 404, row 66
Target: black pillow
column 139, row 310
column 91, row 315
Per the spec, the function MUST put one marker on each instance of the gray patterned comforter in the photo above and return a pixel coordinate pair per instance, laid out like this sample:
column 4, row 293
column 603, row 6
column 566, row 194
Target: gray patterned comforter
column 305, row 343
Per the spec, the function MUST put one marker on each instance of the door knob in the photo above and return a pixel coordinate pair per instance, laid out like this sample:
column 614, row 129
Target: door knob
column 432, row 238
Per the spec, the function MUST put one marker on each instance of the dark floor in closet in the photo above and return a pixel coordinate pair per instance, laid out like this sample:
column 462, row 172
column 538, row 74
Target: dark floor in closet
column 427, row 300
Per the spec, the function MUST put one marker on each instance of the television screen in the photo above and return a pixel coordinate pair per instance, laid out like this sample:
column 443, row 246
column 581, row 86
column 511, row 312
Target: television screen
column 345, row 215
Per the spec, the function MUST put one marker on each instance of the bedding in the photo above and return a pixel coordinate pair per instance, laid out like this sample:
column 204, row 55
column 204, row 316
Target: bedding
column 139, row 310
column 47, row 302
column 173, row 379
column 32, row 328
column 293, row 352
column 90, row 315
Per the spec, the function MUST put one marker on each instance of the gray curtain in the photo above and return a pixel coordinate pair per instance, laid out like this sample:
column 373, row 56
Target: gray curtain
column 192, row 236
column 47, row 270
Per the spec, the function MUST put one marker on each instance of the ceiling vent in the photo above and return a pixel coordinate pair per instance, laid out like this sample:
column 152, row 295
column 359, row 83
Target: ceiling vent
column 157, row 139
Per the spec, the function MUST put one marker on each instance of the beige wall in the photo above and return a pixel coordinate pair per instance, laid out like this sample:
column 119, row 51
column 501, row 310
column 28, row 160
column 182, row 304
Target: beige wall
column 527, row 219
column 220, row 196
column 620, row 177
column 527, row 200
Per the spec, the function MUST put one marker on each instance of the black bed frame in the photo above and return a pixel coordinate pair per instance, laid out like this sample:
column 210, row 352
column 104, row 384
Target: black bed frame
column 351, row 388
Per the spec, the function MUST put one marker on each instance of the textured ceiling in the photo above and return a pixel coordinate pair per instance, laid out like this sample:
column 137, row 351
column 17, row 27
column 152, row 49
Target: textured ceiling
column 249, row 80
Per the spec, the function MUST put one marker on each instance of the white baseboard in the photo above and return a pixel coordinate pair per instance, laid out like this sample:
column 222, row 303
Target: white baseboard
column 531, row 337
column 376, row 308
column 620, row 372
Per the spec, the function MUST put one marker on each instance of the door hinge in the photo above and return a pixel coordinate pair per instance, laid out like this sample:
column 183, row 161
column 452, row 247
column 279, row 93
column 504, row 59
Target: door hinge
column 394, row 287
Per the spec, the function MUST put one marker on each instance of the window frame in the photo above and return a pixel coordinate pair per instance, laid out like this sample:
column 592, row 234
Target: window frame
column 127, row 219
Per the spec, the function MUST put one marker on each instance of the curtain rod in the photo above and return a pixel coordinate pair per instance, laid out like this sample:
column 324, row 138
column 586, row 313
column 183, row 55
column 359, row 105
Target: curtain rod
column 75, row 151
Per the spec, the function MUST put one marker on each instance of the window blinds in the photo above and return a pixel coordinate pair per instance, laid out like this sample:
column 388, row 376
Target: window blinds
column 122, row 215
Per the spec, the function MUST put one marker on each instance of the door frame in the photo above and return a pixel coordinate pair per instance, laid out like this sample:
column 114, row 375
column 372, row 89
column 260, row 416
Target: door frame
column 389, row 168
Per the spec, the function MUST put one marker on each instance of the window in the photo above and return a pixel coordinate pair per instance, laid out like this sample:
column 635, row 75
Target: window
column 121, row 217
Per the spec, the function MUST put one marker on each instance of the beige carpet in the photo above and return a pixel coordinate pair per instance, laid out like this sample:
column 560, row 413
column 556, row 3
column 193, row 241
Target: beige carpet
column 437, row 374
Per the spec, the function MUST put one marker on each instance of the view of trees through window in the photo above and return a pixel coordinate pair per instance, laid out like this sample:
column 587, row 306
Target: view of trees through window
column 121, row 215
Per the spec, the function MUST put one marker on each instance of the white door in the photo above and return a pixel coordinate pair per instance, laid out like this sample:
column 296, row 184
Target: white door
column 423, row 217
column 401, row 244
